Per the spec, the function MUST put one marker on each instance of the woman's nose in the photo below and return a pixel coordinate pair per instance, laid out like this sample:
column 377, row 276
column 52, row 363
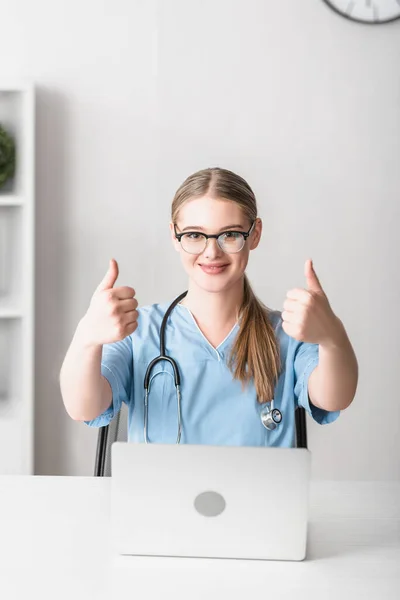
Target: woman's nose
column 212, row 249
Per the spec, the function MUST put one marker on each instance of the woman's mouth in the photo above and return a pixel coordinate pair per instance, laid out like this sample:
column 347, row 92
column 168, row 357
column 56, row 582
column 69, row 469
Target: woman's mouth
column 213, row 269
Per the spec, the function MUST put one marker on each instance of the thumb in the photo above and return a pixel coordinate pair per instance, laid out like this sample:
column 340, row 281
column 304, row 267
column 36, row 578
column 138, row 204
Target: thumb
column 313, row 283
column 110, row 277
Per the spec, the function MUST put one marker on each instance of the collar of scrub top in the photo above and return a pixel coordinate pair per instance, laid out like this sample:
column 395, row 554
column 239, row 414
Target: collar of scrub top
column 270, row 417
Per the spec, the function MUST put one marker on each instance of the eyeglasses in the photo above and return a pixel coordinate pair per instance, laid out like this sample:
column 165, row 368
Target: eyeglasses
column 230, row 242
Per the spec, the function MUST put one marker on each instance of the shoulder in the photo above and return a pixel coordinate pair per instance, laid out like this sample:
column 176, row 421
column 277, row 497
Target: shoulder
column 153, row 312
column 291, row 349
column 150, row 318
column 286, row 343
column 275, row 318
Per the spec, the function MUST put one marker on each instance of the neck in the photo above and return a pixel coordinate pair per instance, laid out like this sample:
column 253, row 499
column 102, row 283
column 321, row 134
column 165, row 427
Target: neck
column 213, row 308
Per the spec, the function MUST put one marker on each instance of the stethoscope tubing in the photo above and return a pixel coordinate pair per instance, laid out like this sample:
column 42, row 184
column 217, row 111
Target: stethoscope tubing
column 177, row 378
column 270, row 417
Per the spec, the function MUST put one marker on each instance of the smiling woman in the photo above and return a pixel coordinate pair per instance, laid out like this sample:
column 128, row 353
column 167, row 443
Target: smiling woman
column 219, row 291
column 238, row 359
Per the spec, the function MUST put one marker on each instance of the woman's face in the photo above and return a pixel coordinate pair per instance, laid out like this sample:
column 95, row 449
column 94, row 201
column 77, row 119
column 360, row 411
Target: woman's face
column 211, row 216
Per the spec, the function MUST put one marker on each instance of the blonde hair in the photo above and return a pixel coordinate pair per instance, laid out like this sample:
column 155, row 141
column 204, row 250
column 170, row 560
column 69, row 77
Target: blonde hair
column 255, row 353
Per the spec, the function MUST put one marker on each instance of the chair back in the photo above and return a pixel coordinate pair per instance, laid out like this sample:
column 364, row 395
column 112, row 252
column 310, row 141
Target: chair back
column 116, row 431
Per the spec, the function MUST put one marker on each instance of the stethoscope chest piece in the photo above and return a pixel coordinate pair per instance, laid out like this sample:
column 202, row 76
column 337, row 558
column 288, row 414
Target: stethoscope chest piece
column 270, row 417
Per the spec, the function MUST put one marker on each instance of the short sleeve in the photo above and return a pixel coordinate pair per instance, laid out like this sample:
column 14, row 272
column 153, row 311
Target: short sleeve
column 305, row 360
column 117, row 368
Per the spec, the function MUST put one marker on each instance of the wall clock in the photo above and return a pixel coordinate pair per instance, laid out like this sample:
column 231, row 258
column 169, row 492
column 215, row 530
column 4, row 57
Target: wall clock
column 373, row 12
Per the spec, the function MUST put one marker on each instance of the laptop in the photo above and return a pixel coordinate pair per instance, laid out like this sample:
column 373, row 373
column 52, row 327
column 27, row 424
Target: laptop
column 186, row 500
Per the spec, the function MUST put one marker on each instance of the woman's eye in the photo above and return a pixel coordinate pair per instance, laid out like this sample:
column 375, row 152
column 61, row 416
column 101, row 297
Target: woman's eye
column 193, row 236
column 230, row 235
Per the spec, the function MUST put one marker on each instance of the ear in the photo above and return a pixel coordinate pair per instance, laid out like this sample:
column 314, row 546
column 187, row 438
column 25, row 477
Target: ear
column 255, row 236
column 175, row 242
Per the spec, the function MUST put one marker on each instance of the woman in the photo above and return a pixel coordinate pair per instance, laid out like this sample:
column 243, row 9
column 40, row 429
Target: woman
column 234, row 355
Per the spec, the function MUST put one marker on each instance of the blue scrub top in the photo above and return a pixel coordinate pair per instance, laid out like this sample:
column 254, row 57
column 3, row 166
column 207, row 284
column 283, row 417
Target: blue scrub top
column 215, row 409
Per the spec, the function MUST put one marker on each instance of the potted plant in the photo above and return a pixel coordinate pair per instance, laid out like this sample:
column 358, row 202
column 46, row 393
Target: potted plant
column 7, row 157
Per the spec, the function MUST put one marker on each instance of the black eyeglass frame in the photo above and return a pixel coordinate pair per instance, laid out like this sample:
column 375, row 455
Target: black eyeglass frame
column 245, row 235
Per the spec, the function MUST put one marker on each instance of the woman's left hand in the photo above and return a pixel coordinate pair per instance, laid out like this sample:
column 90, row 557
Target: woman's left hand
column 307, row 314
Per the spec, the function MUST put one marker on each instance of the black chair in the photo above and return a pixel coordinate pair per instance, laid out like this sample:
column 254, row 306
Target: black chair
column 117, row 431
column 301, row 427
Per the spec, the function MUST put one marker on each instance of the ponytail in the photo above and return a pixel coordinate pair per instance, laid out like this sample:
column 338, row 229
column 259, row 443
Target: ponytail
column 255, row 354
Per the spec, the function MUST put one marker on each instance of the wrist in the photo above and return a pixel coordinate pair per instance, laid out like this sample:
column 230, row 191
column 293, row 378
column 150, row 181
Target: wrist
column 82, row 336
column 337, row 336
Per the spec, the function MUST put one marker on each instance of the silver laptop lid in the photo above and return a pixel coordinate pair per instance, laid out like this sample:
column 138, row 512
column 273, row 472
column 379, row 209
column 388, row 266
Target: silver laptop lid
column 210, row 501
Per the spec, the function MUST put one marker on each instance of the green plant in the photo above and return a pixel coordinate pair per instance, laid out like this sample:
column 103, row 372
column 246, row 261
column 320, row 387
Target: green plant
column 7, row 156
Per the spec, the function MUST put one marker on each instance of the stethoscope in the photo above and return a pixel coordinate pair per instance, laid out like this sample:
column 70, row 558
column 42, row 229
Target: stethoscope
column 270, row 417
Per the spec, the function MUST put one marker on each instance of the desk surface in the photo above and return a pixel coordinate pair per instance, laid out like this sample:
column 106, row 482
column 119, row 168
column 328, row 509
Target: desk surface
column 54, row 543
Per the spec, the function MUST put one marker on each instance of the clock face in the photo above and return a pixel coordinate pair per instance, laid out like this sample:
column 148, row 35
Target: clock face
column 367, row 11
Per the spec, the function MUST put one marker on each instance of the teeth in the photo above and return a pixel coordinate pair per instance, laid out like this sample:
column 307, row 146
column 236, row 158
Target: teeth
column 213, row 268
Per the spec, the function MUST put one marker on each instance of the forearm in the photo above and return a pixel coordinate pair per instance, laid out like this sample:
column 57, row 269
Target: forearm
column 86, row 394
column 333, row 384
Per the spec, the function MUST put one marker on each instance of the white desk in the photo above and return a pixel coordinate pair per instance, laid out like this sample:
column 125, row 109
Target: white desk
column 54, row 534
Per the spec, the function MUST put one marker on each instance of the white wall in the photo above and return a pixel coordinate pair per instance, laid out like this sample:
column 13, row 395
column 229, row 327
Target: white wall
column 135, row 95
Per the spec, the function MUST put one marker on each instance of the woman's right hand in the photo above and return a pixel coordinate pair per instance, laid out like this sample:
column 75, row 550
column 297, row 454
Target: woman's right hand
column 112, row 313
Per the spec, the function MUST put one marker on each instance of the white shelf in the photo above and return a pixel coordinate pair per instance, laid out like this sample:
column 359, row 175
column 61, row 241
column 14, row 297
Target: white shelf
column 10, row 200
column 17, row 206
column 12, row 85
column 10, row 309
column 9, row 313
column 12, row 227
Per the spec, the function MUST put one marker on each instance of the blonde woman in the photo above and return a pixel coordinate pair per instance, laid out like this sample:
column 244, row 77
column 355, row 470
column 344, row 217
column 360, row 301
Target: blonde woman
column 237, row 359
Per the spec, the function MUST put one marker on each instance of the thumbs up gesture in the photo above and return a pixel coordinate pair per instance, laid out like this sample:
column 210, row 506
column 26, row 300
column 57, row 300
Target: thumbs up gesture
column 307, row 314
column 112, row 313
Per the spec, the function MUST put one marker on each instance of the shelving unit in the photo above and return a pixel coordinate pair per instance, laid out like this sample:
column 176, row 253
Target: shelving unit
column 17, row 293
